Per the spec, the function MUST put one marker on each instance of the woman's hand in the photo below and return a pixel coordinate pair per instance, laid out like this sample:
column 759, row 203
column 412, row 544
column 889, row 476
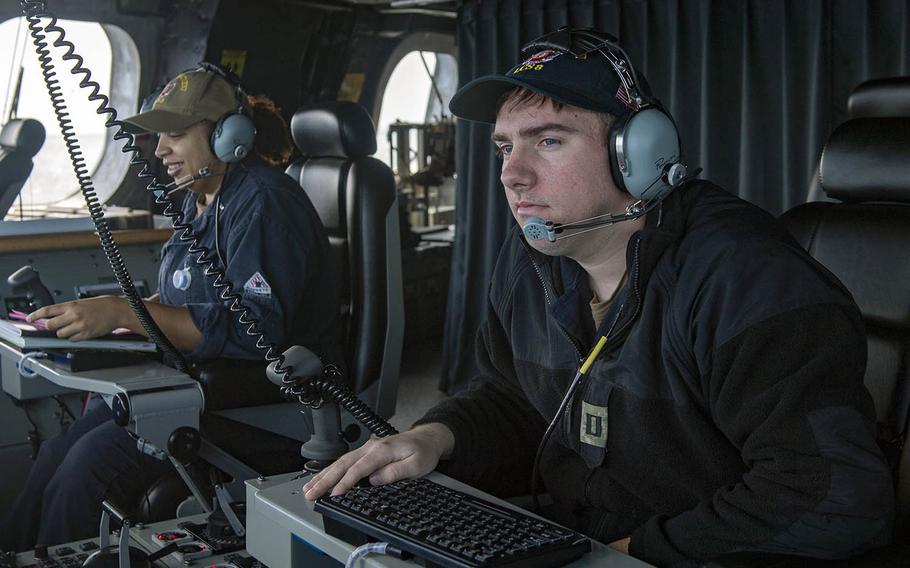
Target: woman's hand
column 84, row 319
column 411, row 454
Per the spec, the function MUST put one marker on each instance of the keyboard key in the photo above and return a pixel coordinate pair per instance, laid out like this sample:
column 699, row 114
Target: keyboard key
column 450, row 528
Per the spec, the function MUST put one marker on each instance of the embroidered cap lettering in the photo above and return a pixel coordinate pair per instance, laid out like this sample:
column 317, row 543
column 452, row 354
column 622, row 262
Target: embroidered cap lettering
column 535, row 62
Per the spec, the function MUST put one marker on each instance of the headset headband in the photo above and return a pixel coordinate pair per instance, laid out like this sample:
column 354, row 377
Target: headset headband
column 564, row 40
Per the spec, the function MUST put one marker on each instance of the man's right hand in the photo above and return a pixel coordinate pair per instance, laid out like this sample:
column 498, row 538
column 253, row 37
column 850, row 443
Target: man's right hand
column 411, row 454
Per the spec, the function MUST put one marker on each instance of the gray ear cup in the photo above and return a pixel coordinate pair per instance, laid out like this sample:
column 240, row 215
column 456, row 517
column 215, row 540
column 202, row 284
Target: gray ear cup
column 233, row 137
column 644, row 149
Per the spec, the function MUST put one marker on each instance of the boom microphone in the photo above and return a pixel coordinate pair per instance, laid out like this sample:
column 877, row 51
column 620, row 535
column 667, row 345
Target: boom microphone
column 189, row 180
column 538, row 229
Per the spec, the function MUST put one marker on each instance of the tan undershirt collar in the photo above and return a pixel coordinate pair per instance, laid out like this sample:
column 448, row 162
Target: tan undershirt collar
column 599, row 307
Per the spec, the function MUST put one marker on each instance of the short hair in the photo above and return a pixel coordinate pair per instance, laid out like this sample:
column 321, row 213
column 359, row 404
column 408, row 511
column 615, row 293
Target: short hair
column 520, row 96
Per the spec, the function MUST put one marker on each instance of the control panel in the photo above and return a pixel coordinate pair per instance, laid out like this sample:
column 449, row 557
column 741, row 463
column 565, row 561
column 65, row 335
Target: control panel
column 196, row 546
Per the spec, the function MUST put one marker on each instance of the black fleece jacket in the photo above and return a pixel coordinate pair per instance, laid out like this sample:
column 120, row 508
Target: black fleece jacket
column 725, row 414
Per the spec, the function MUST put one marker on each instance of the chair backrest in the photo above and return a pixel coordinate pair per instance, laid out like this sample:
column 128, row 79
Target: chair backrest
column 355, row 197
column 20, row 140
column 871, row 99
column 864, row 239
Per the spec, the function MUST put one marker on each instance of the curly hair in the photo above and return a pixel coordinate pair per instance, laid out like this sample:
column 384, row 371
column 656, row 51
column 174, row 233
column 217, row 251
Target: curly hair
column 273, row 137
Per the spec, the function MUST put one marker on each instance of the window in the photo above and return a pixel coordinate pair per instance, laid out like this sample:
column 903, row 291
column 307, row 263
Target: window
column 52, row 180
column 415, row 135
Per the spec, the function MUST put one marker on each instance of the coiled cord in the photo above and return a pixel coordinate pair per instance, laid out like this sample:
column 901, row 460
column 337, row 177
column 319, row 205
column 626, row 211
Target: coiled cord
column 308, row 391
column 34, row 11
column 312, row 391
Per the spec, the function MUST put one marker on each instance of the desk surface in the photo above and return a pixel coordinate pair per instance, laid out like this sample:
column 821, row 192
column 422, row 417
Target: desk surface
column 145, row 376
column 153, row 398
column 281, row 525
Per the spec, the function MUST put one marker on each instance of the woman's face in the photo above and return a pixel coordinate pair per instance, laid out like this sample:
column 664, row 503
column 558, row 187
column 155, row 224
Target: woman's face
column 185, row 152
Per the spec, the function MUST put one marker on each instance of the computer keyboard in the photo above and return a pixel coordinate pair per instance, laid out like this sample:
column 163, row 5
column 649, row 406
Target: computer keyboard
column 448, row 528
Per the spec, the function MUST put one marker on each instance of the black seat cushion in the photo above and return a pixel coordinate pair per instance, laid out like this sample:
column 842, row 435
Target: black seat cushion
column 864, row 239
column 353, row 194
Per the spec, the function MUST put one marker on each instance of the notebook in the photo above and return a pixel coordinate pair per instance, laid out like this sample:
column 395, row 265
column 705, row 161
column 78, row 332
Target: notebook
column 28, row 337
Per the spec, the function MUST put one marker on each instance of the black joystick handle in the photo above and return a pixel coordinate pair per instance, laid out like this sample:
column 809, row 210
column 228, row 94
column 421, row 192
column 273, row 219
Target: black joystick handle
column 26, row 281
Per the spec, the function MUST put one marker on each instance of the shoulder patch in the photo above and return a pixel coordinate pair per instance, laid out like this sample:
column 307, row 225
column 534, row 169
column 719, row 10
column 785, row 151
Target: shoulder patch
column 258, row 285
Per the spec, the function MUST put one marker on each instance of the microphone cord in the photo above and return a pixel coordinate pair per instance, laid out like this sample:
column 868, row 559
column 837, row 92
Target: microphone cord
column 302, row 389
column 570, row 393
column 34, row 11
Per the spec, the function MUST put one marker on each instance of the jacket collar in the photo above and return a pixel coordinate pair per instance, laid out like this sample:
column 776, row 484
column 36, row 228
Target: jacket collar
column 567, row 283
column 232, row 180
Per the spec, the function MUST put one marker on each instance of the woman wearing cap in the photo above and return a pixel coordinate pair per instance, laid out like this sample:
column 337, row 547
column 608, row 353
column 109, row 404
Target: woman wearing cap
column 222, row 146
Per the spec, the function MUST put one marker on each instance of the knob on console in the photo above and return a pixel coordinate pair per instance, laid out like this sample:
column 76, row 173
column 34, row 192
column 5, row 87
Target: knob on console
column 183, row 444
column 120, row 407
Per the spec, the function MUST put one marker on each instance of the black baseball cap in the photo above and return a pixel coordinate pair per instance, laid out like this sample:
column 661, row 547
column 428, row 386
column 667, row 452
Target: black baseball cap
column 583, row 78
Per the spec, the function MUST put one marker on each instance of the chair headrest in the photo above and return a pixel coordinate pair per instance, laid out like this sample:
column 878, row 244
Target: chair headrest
column 23, row 135
column 868, row 159
column 339, row 129
column 880, row 97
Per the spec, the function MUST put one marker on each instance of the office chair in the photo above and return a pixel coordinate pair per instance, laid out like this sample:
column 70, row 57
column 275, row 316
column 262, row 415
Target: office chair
column 20, row 141
column 874, row 98
column 863, row 238
column 355, row 197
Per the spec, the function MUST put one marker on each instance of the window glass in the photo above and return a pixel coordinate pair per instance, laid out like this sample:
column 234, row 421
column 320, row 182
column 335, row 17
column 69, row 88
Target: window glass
column 52, row 178
column 406, row 97
column 415, row 136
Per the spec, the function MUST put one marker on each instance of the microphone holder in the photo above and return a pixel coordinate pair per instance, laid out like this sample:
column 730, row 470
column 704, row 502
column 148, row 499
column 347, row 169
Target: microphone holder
column 327, row 442
column 26, row 281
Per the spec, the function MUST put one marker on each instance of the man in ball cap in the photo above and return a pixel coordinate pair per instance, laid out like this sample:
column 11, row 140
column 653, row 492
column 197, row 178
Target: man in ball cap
column 677, row 372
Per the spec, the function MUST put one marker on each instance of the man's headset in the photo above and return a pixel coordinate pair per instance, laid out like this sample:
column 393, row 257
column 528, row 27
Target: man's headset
column 643, row 147
column 234, row 134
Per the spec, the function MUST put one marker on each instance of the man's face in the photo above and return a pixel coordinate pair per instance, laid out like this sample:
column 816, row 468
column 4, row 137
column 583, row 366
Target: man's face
column 555, row 166
column 185, row 152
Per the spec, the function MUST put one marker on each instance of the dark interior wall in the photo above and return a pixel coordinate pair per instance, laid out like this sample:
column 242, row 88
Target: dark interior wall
column 296, row 53
column 375, row 47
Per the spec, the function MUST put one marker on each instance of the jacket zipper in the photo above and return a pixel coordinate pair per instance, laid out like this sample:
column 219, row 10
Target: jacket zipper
column 547, row 297
column 636, row 293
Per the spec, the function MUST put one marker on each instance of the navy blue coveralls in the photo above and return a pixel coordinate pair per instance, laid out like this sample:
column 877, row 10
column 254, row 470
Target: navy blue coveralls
column 278, row 258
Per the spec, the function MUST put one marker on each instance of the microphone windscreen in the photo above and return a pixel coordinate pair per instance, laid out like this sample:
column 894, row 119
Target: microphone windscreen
column 537, row 229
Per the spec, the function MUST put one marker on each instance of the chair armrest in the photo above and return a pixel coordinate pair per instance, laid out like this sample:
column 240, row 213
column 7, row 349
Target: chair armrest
column 233, row 383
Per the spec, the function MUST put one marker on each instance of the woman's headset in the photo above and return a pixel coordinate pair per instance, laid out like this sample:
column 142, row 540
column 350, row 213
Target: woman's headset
column 644, row 145
column 234, row 134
